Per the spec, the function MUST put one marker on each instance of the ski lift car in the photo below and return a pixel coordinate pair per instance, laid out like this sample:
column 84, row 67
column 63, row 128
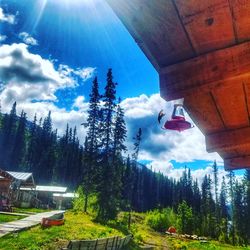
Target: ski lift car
column 178, row 121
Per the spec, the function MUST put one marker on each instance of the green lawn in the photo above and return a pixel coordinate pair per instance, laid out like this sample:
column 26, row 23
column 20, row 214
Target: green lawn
column 82, row 226
column 7, row 218
column 196, row 245
column 77, row 226
column 29, row 210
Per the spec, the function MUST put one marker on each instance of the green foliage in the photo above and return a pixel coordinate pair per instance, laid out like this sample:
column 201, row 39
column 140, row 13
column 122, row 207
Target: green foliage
column 78, row 202
column 185, row 218
column 161, row 220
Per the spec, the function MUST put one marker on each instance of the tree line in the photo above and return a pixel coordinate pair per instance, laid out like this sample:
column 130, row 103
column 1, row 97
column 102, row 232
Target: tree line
column 119, row 183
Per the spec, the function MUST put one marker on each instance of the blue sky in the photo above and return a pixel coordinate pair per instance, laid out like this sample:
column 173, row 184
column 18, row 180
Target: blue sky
column 86, row 34
column 51, row 49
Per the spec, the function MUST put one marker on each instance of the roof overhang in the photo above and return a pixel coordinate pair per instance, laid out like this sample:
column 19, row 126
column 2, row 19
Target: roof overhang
column 201, row 50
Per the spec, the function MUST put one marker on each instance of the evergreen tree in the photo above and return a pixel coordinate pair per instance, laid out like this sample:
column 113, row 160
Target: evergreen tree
column 108, row 197
column 92, row 142
column 223, row 212
column 19, row 143
column 185, row 218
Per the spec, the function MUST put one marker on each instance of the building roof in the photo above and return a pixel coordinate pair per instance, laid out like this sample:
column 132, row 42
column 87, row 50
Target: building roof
column 20, row 175
column 52, row 189
column 66, row 195
column 201, row 50
column 21, row 178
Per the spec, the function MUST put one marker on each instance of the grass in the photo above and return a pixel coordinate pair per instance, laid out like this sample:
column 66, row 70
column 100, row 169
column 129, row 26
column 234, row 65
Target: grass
column 77, row 226
column 29, row 210
column 181, row 244
column 144, row 235
column 82, row 226
column 8, row 218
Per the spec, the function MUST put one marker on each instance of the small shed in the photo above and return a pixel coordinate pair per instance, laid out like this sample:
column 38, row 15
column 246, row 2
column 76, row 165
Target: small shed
column 45, row 194
column 11, row 184
column 64, row 200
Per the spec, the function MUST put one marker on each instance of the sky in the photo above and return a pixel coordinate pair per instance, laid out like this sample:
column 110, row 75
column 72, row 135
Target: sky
column 50, row 50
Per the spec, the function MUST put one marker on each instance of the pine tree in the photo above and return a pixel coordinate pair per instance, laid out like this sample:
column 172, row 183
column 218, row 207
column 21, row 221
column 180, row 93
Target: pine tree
column 19, row 142
column 91, row 145
column 9, row 131
column 108, row 197
column 247, row 201
column 185, row 218
column 137, row 189
column 120, row 132
column 223, row 212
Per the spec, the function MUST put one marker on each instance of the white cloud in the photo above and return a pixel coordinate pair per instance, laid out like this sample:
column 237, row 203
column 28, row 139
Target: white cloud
column 84, row 73
column 3, row 38
column 6, row 17
column 32, row 82
column 27, row 38
column 161, row 145
column 80, row 103
column 28, row 77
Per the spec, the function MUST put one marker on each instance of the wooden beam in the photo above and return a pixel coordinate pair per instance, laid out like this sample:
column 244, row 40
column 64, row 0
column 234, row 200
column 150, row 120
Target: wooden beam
column 237, row 163
column 228, row 139
column 208, row 23
column 157, row 28
column 205, row 72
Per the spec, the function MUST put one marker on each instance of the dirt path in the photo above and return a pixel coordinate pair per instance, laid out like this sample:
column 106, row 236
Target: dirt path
column 157, row 240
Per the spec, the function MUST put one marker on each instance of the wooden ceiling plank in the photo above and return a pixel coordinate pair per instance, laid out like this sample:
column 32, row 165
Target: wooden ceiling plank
column 229, row 139
column 246, row 101
column 247, row 94
column 204, row 20
column 158, row 29
column 231, row 103
column 185, row 77
column 241, row 13
column 203, row 112
column 239, row 162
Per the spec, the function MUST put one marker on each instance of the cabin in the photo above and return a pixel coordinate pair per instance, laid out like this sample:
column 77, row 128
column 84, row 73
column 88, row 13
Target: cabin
column 19, row 189
column 11, row 184
column 45, row 194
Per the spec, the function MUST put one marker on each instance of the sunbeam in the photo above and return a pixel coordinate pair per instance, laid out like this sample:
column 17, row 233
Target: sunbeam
column 41, row 6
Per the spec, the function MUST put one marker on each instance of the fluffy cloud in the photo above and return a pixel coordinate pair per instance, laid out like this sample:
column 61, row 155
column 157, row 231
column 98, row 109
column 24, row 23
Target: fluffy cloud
column 142, row 111
column 2, row 38
column 32, row 82
column 6, row 17
column 28, row 77
column 84, row 73
column 27, row 38
column 159, row 146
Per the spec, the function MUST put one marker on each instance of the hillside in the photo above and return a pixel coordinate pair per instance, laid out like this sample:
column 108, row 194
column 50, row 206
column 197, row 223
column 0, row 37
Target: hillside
column 82, row 226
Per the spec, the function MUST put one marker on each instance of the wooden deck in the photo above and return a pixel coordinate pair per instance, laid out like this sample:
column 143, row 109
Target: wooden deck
column 30, row 221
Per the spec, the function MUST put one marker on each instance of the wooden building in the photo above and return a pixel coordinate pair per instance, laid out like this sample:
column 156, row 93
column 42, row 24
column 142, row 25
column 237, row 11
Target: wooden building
column 11, row 184
column 201, row 50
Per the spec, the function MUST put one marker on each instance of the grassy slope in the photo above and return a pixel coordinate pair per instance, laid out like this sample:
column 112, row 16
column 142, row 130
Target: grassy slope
column 81, row 226
column 143, row 234
column 77, row 226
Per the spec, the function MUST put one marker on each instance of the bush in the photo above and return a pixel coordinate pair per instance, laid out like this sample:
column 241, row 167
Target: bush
column 161, row 220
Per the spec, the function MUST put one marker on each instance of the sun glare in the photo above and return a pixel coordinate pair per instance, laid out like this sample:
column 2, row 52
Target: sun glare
column 75, row 2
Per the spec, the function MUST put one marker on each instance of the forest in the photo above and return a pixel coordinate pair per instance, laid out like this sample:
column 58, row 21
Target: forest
column 103, row 168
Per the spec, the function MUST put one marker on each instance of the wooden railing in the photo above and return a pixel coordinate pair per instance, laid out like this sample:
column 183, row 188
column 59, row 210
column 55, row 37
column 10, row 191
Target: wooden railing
column 111, row 243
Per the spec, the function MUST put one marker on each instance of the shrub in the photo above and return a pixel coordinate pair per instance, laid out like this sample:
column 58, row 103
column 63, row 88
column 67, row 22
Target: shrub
column 161, row 220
